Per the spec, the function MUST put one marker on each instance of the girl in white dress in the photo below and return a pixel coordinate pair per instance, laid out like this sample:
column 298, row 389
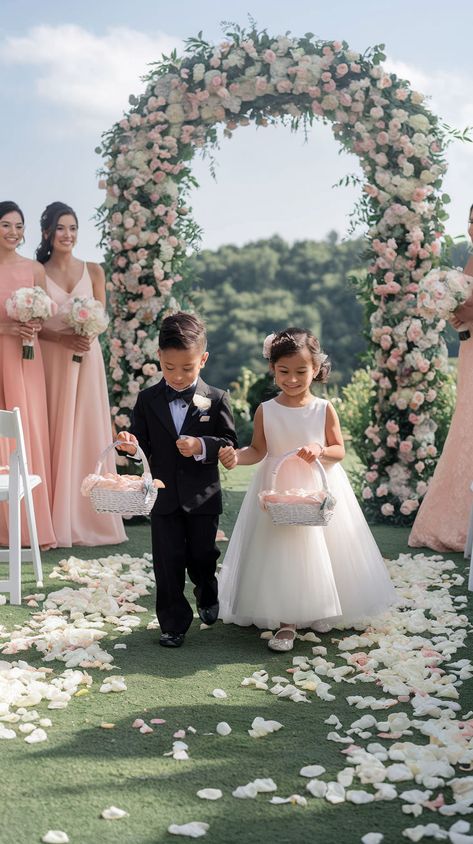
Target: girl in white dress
column 288, row 577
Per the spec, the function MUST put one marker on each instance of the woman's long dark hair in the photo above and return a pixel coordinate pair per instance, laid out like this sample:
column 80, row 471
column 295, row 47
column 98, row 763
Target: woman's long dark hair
column 49, row 220
column 8, row 206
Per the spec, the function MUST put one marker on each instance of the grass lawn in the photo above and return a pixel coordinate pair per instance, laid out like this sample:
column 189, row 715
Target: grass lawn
column 66, row 782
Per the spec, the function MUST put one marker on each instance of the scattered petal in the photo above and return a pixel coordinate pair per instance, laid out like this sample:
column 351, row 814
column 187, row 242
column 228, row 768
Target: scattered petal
column 195, row 829
column 220, row 694
column 210, row 794
column 312, row 771
column 55, row 836
column 113, row 813
column 223, row 729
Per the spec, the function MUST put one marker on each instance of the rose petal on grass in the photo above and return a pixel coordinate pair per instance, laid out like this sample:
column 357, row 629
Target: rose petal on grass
column 138, row 722
column 223, row 729
column 265, row 785
column 179, row 734
column 312, row 771
column 145, row 729
column 195, row 829
column 245, row 791
column 210, row 794
column 36, row 736
column 113, row 813
column 220, row 694
column 295, row 799
column 106, row 726
column 372, row 838
column 157, row 721
column 55, row 836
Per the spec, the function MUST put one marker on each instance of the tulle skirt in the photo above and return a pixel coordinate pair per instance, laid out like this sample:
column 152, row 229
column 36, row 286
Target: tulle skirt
column 300, row 575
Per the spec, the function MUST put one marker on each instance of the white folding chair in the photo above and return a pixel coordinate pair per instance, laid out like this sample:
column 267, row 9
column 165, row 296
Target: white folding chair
column 15, row 486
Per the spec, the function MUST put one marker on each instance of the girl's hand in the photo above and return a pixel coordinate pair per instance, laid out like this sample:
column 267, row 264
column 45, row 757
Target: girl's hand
column 129, row 442
column 188, row 446
column 310, row 453
column 76, row 343
column 228, row 457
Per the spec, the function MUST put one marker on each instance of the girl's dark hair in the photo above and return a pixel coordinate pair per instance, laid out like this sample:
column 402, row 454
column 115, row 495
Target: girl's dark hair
column 292, row 340
column 49, row 220
column 182, row 331
column 8, row 206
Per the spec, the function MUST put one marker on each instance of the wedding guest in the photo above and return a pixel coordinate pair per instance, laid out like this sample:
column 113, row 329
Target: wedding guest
column 292, row 576
column 442, row 519
column 180, row 424
column 78, row 406
column 22, row 380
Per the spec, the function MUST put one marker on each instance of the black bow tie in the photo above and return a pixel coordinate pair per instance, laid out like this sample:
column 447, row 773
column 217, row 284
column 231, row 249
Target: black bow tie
column 185, row 395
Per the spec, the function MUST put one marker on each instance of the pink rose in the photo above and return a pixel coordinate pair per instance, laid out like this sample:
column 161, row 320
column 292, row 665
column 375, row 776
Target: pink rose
column 387, row 509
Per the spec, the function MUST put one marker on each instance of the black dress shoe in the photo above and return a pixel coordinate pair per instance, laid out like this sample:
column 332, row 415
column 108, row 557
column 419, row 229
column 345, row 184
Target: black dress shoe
column 209, row 615
column 172, row 640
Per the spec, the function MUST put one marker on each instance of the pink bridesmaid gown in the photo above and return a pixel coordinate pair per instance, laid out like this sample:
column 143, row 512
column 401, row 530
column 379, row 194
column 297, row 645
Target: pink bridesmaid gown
column 22, row 385
column 80, row 429
column 442, row 520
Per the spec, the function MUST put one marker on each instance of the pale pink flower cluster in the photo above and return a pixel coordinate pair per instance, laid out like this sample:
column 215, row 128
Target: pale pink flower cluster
column 85, row 315
column 27, row 303
column 441, row 292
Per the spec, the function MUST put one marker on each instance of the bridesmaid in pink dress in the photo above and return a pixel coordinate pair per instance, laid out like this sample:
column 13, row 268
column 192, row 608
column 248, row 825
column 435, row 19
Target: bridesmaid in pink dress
column 78, row 406
column 22, row 381
column 442, row 520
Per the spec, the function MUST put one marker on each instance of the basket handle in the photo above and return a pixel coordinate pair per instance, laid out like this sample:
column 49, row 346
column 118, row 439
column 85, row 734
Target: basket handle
column 139, row 452
column 317, row 462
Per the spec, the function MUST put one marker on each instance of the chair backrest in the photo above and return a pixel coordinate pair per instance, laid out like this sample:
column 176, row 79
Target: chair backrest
column 11, row 427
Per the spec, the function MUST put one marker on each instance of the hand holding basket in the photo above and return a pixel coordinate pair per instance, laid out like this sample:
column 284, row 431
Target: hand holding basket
column 299, row 507
column 114, row 494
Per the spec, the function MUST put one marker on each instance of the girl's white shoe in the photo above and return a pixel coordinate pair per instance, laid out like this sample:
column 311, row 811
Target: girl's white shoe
column 285, row 643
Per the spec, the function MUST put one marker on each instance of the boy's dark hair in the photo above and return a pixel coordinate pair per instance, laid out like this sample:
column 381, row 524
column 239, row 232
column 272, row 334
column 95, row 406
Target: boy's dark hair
column 182, row 331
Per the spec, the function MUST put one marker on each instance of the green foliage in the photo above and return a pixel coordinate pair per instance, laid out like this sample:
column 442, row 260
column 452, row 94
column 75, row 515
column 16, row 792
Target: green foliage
column 355, row 411
column 247, row 292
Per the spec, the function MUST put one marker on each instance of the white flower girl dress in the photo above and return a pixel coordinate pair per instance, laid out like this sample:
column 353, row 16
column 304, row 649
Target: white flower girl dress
column 274, row 574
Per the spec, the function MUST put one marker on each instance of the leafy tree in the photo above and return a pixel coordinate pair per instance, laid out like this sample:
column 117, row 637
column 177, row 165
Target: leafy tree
column 247, row 292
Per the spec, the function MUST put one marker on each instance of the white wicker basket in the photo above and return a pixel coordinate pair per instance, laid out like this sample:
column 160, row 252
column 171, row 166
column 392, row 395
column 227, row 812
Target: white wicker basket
column 316, row 513
column 124, row 502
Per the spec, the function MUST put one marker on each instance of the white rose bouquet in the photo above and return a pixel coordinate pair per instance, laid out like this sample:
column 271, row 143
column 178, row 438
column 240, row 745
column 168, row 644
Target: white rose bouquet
column 441, row 292
column 26, row 304
column 86, row 316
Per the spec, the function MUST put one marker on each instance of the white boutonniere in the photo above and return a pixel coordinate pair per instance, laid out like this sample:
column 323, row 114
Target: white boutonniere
column 201, row 402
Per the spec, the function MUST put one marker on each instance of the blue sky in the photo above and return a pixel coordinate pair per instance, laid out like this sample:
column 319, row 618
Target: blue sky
column 67, row 72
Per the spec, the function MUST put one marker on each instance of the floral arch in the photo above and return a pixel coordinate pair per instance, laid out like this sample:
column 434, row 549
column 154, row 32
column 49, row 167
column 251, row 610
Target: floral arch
column 148, row 231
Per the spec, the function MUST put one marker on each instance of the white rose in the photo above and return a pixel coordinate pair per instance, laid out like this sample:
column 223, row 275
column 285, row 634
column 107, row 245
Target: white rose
column 419, row 122
column 201, row 402
column 198, row 72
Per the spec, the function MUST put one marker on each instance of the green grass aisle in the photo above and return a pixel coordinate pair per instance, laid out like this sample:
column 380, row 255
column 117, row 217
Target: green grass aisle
column 66, row 782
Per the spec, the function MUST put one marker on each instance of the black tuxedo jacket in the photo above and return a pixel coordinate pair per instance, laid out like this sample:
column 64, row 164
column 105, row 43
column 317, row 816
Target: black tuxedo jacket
column 191, row 484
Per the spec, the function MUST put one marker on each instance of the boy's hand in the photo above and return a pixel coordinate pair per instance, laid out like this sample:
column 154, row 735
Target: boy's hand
column 188, row 446
column 129, row 442
column 228, row 457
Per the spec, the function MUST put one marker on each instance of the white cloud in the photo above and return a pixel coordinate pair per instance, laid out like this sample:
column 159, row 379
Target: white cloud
column 449, row 92
column 90, row 76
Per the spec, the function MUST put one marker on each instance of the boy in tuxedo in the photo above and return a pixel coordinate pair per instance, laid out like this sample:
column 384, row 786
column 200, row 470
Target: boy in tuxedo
column 180, row 424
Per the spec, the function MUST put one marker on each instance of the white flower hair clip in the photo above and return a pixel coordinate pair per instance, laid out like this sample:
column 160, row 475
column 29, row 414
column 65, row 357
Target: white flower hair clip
column 268, row 342
column 323, row 358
